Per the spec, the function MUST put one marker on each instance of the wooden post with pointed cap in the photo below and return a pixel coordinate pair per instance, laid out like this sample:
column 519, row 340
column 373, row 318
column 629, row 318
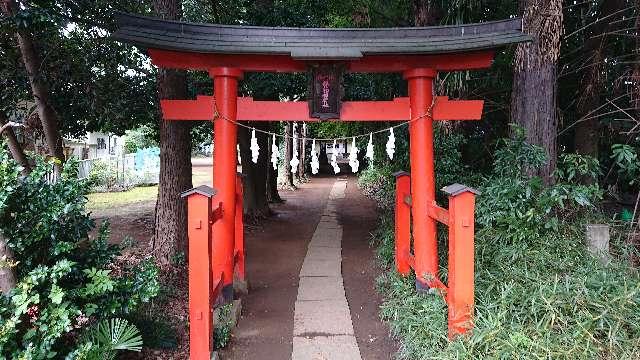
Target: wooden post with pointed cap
column 460, row 294
column 201, row 287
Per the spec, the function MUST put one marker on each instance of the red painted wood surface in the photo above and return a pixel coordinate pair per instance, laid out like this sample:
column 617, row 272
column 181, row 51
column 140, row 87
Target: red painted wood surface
column 439, row 214
column 425, row 243
column 402, row 224
column 249, row 110
column 460, row 299
column 284, row 63
column 200, row 284
column 224, row 180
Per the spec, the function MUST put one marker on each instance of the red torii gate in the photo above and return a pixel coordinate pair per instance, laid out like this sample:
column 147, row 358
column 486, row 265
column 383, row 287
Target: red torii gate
column 216, row 249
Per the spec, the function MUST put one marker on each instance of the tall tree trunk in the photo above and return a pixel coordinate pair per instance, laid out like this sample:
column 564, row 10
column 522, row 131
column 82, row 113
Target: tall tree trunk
column 256, row 204
column 272, row 177
column 288, row 153
column 14, row 146
column 7, row 267
column 425, row 12
column 170, row 230
column 32, row 64
column 533, row 98
column 302, row 166
column 587, row 133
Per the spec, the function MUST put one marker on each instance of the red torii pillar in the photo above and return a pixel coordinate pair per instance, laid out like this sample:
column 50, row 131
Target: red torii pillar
column 423, row 186
column 225, row 88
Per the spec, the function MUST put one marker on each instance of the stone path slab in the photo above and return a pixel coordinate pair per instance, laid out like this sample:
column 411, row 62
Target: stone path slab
column 320, row 288
column 337, row 347
column 322, row 326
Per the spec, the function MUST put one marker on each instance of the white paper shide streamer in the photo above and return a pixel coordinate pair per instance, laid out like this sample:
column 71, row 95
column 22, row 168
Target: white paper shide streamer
column 255, row 148
column 369, row 154
column 238, row 152
column 294, row 159
column 353, row 156
column 275, row 153
column 315, row 164
column 334, row 159
column 391, row 144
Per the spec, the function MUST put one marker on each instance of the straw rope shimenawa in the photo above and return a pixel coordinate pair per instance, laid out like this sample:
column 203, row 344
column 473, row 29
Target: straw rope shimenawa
column 428, row 113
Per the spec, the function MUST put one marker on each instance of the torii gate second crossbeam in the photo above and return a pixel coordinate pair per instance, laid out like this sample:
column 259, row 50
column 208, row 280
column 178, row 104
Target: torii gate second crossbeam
column 228, row 52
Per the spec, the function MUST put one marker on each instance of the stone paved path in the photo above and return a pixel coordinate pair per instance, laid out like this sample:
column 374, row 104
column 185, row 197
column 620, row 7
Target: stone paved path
column 322, row 327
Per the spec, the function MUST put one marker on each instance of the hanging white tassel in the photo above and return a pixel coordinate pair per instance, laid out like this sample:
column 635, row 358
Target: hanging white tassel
column 369, row 153
column 255, row 148
column 353, row 156
column 315, row 164
column 391, row 144
column 334, row 159
column 275, row 153
column 294, row 159
column 238, row 152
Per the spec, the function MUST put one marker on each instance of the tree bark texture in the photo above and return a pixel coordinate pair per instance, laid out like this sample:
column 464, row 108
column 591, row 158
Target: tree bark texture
column 302, row 166
column 170, row 230
column 533, row 97
column 14, row 146
column 32, row 63
column 272, row 177
column 256, row 204
column 7, row 270
column 288, row 153
column 425, row 12
column 587, row 132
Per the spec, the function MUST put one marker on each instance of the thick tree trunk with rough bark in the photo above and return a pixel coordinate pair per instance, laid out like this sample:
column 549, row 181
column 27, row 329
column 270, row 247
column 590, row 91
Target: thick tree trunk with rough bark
column 256, row 204
column 32, row 63
column 302, row 166
column 425, row 12
column 587, row 132
column 533, row 98
column 14, row 146
column 288, row 153
column 7, row 269
column 170, row 229
column 272, row 177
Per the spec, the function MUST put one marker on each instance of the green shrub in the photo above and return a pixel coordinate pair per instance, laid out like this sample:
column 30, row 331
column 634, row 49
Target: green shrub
column 67, row 280
column 140, row 138
column 539, row 294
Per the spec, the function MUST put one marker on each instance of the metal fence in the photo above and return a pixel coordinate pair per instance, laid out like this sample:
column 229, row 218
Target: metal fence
column 115, row 171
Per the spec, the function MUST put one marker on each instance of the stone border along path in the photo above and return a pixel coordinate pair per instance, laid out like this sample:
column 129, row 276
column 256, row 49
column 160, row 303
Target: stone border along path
column 322, row 327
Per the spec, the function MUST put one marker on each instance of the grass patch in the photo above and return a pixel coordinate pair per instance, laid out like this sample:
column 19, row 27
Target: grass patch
column 98, row 201
column 539, row 294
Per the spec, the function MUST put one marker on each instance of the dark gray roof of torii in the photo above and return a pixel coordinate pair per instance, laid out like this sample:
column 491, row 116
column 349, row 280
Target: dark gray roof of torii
column 315, row 44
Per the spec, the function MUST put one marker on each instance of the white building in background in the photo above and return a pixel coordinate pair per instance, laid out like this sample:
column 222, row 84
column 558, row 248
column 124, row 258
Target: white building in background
column 94, row 145
column 343, row 147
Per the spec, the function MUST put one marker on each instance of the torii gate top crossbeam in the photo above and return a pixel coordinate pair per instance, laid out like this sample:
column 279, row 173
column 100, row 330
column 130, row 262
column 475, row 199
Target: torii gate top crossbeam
column 280, row 49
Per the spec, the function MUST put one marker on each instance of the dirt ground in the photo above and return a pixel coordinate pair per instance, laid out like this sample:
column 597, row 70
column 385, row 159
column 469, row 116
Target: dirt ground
column 275, row 251
column 275, row 255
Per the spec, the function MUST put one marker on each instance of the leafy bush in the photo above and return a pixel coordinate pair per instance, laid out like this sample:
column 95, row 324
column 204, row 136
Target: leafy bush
column 67, row 280
column 375, row 181
column 106, row 175
column 539, row 294
column 140, row 138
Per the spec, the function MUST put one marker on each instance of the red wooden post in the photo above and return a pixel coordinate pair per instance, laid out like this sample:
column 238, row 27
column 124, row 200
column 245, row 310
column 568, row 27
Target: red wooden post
column 200, row 284
column 403, row 222
column 460, row 296
column 425, row 244
column 225, row 82
column 239, row 231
